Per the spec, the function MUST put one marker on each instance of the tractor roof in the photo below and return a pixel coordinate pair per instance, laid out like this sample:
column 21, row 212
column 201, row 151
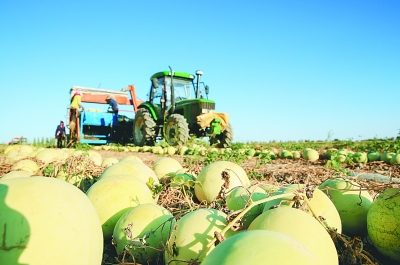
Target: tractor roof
column 176, row 74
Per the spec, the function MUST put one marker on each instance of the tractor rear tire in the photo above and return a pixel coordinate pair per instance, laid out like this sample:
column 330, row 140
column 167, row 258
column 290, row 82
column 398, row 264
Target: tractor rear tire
column 224, row 139
column 144, row 128
column 176, row 130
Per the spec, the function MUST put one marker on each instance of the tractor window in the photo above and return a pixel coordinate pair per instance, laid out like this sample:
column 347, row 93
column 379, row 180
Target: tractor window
column 183, row 89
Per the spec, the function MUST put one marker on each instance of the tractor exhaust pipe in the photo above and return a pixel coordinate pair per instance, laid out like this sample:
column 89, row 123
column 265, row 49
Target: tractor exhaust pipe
column 199, row 73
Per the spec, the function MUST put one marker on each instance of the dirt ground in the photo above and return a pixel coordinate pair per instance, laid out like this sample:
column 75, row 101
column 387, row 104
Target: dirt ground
column 279, row 172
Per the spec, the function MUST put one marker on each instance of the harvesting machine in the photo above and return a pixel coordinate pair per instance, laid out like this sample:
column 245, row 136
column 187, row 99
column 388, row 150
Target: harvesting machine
column 177, row 108
column 95, row 126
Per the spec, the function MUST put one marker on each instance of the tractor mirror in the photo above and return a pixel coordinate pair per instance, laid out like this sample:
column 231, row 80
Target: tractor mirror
column 154, row 82
column 207, row 90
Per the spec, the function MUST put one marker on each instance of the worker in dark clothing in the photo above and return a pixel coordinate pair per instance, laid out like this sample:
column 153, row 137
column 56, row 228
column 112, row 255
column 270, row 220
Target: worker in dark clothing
column 60, row 134
column 113, row 104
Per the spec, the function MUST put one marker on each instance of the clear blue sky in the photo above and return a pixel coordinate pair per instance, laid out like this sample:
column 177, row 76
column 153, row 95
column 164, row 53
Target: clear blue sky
column 283, row 70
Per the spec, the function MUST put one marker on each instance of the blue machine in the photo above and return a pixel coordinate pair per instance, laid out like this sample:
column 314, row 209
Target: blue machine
column 102, row 127
column 98, row 127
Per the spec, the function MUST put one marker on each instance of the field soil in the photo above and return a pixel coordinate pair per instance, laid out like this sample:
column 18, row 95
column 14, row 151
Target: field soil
column 279, row 172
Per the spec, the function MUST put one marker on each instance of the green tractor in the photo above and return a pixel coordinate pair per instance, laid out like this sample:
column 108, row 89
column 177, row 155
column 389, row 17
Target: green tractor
column 178, row 107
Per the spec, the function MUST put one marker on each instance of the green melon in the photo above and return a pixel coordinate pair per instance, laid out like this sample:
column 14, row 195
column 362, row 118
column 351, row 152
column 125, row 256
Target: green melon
column 192, row 233
column 373, row 156
column 311, row 154
column 306, row 230
column 260, row 247
column 320, row 203
column 383, row 223
column 387, row 156
column 143, row 231
column 286, row 154
column 238, row 199
column 351, row 202
column 112, row 197
column 360, row 157
column 211, row 179
column 395, row 159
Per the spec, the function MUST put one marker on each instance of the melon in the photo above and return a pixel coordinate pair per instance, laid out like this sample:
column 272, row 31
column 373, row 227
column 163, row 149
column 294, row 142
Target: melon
column 26, row 165
column 171, row 150
column 286, row 154
column 112, row 197
column 351, row 202
column 130, row 158
column 341, row 155
column 387, row 156
column 329, row 152
column 395, row 159
column 191, row 235
column 260, row 247
column 383, row 223
column 47, row 221
column 143, row 231
column 182, row 150
column 211, row 179
column 165, row 165
column 360, row 157
column 108, row 161
column 320, row 203
column 95, row 157
column 373, row 156
column 239, row 197
column 296, row 154
column 49, row 155
column 306, row 230
column 14, row 156
column 16, row 174
column 311, row 154
column 131, row 168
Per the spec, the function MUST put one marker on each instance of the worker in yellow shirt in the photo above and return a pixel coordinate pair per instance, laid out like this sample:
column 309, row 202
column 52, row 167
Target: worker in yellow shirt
column 76, row 104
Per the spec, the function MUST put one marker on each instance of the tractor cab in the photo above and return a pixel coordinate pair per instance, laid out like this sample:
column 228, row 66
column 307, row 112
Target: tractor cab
column 167, row 90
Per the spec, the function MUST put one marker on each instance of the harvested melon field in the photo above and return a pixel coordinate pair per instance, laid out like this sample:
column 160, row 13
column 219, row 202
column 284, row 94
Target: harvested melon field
column 199, row 205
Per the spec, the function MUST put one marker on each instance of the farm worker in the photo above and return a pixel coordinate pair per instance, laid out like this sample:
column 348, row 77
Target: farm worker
column 76, row 104
column 113, row 104
column 60, row 134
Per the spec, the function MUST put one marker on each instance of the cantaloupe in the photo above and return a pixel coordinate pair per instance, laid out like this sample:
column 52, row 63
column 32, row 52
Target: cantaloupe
column 165, row 165
column 112, row 197
column 383, row 223
column 47, row 221
column 351, row 202
column 191, row 235
column 143, row 231
column 211, row 179
column 260, row 247
column 305, row 229
column 238, row 199
column 320, row 203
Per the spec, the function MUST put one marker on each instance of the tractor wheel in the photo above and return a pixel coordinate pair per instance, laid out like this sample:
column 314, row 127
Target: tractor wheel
column 143, row 128
column 176, row 130
column 224, row 139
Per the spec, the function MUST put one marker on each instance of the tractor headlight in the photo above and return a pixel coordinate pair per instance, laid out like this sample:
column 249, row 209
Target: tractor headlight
column 206, row 110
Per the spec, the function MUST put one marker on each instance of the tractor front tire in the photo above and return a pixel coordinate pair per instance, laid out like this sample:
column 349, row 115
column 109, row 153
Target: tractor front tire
column 224, row 139
column 176, row 130
column 143, row 128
